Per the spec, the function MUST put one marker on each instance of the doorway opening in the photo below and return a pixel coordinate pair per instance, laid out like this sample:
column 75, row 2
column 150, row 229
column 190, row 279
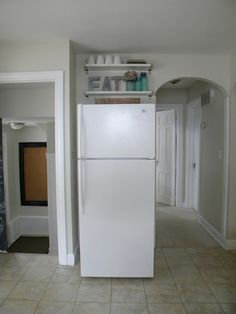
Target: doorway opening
column 57, row 78
column 191, row 160
column 28, row 131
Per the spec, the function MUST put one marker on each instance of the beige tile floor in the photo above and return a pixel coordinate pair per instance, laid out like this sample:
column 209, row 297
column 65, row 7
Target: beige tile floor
column 192, row 275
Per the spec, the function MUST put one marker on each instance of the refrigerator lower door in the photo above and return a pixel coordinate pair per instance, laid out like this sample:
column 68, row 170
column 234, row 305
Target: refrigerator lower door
column 117, row 205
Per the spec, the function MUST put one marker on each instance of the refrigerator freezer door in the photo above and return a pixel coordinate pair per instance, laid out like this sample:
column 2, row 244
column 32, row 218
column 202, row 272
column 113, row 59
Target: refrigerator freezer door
column 117, row 218
column 117, row 131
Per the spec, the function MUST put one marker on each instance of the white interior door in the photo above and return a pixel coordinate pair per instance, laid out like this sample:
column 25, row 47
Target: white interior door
column 196, row 153
column 193, row 153
column 165, row 155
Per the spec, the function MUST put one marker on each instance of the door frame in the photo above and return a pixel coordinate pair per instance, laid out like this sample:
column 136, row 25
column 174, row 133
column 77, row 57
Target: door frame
column 179, row 163
column 56, row 77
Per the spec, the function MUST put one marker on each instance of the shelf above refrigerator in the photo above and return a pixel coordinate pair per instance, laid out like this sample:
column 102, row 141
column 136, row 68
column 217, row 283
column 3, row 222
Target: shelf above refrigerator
column 118, row 67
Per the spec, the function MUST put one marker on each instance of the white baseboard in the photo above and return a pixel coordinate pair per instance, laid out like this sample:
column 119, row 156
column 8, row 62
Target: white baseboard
column 14, row 231
column 181, row 204
column 73, row 258
column 213, row 232
column 27, row 225
column 53, row 251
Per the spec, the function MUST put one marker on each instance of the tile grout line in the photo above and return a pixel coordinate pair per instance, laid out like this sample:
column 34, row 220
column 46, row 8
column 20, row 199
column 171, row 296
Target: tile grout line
column 45, row 289
column 77, row 293
column 145, row 292
column 207, row 284
column 16, row 281
column 19, row 281
column 175, row 284
column 111, row 294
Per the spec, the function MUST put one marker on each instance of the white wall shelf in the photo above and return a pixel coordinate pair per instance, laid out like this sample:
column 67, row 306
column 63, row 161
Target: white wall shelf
column 118, row 93
column 118, row 67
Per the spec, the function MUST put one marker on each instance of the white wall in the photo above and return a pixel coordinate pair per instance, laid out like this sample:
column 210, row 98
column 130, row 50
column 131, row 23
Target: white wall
column 46, row 56
column 231, row 223
column 212, row 162
column 72, row 190
column 27, row 102
column 211, row 206
column 52, row 206
column 171, row 96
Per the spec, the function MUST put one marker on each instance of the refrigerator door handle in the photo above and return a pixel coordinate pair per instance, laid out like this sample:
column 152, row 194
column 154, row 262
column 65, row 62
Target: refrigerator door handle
column 82, row 185
column 81, row 161
column 79, row 109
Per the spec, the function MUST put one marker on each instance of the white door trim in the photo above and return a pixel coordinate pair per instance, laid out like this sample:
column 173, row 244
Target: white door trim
column 6, row 180
column 56, row 77
column 179, row 149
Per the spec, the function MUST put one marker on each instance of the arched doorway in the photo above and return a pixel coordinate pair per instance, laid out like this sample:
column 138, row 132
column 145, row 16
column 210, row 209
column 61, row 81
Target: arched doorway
column 193, row 152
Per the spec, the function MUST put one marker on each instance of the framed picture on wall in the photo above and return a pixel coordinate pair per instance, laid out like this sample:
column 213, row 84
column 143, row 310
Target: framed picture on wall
column 33, row 173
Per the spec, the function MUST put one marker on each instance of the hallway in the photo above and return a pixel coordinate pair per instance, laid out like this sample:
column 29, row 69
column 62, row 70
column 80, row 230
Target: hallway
column 179, row 228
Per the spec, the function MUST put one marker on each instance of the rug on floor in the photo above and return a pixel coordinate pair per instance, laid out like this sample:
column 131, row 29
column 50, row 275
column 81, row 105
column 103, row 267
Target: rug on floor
column 30, row 245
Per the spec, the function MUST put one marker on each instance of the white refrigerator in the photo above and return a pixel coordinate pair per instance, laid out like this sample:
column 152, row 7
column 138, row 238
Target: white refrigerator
column 116, row 170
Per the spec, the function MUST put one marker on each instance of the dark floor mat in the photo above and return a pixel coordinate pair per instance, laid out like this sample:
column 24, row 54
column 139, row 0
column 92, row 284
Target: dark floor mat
column 30, row 245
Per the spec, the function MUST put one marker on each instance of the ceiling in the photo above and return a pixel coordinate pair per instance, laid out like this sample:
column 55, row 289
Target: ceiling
column 164, row 26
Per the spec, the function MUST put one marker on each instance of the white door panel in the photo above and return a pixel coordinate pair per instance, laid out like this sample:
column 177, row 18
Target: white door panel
column 193, row 153
column 165, row 154
column 196, row 153
column 118, row 131
column 117, row 218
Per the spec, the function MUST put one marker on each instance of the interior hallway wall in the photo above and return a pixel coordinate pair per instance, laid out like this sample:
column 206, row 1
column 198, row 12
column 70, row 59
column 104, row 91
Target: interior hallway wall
column 73, row 144
column 27, row 102
column 52, row 206
column 211, row 206
column 231, row 230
